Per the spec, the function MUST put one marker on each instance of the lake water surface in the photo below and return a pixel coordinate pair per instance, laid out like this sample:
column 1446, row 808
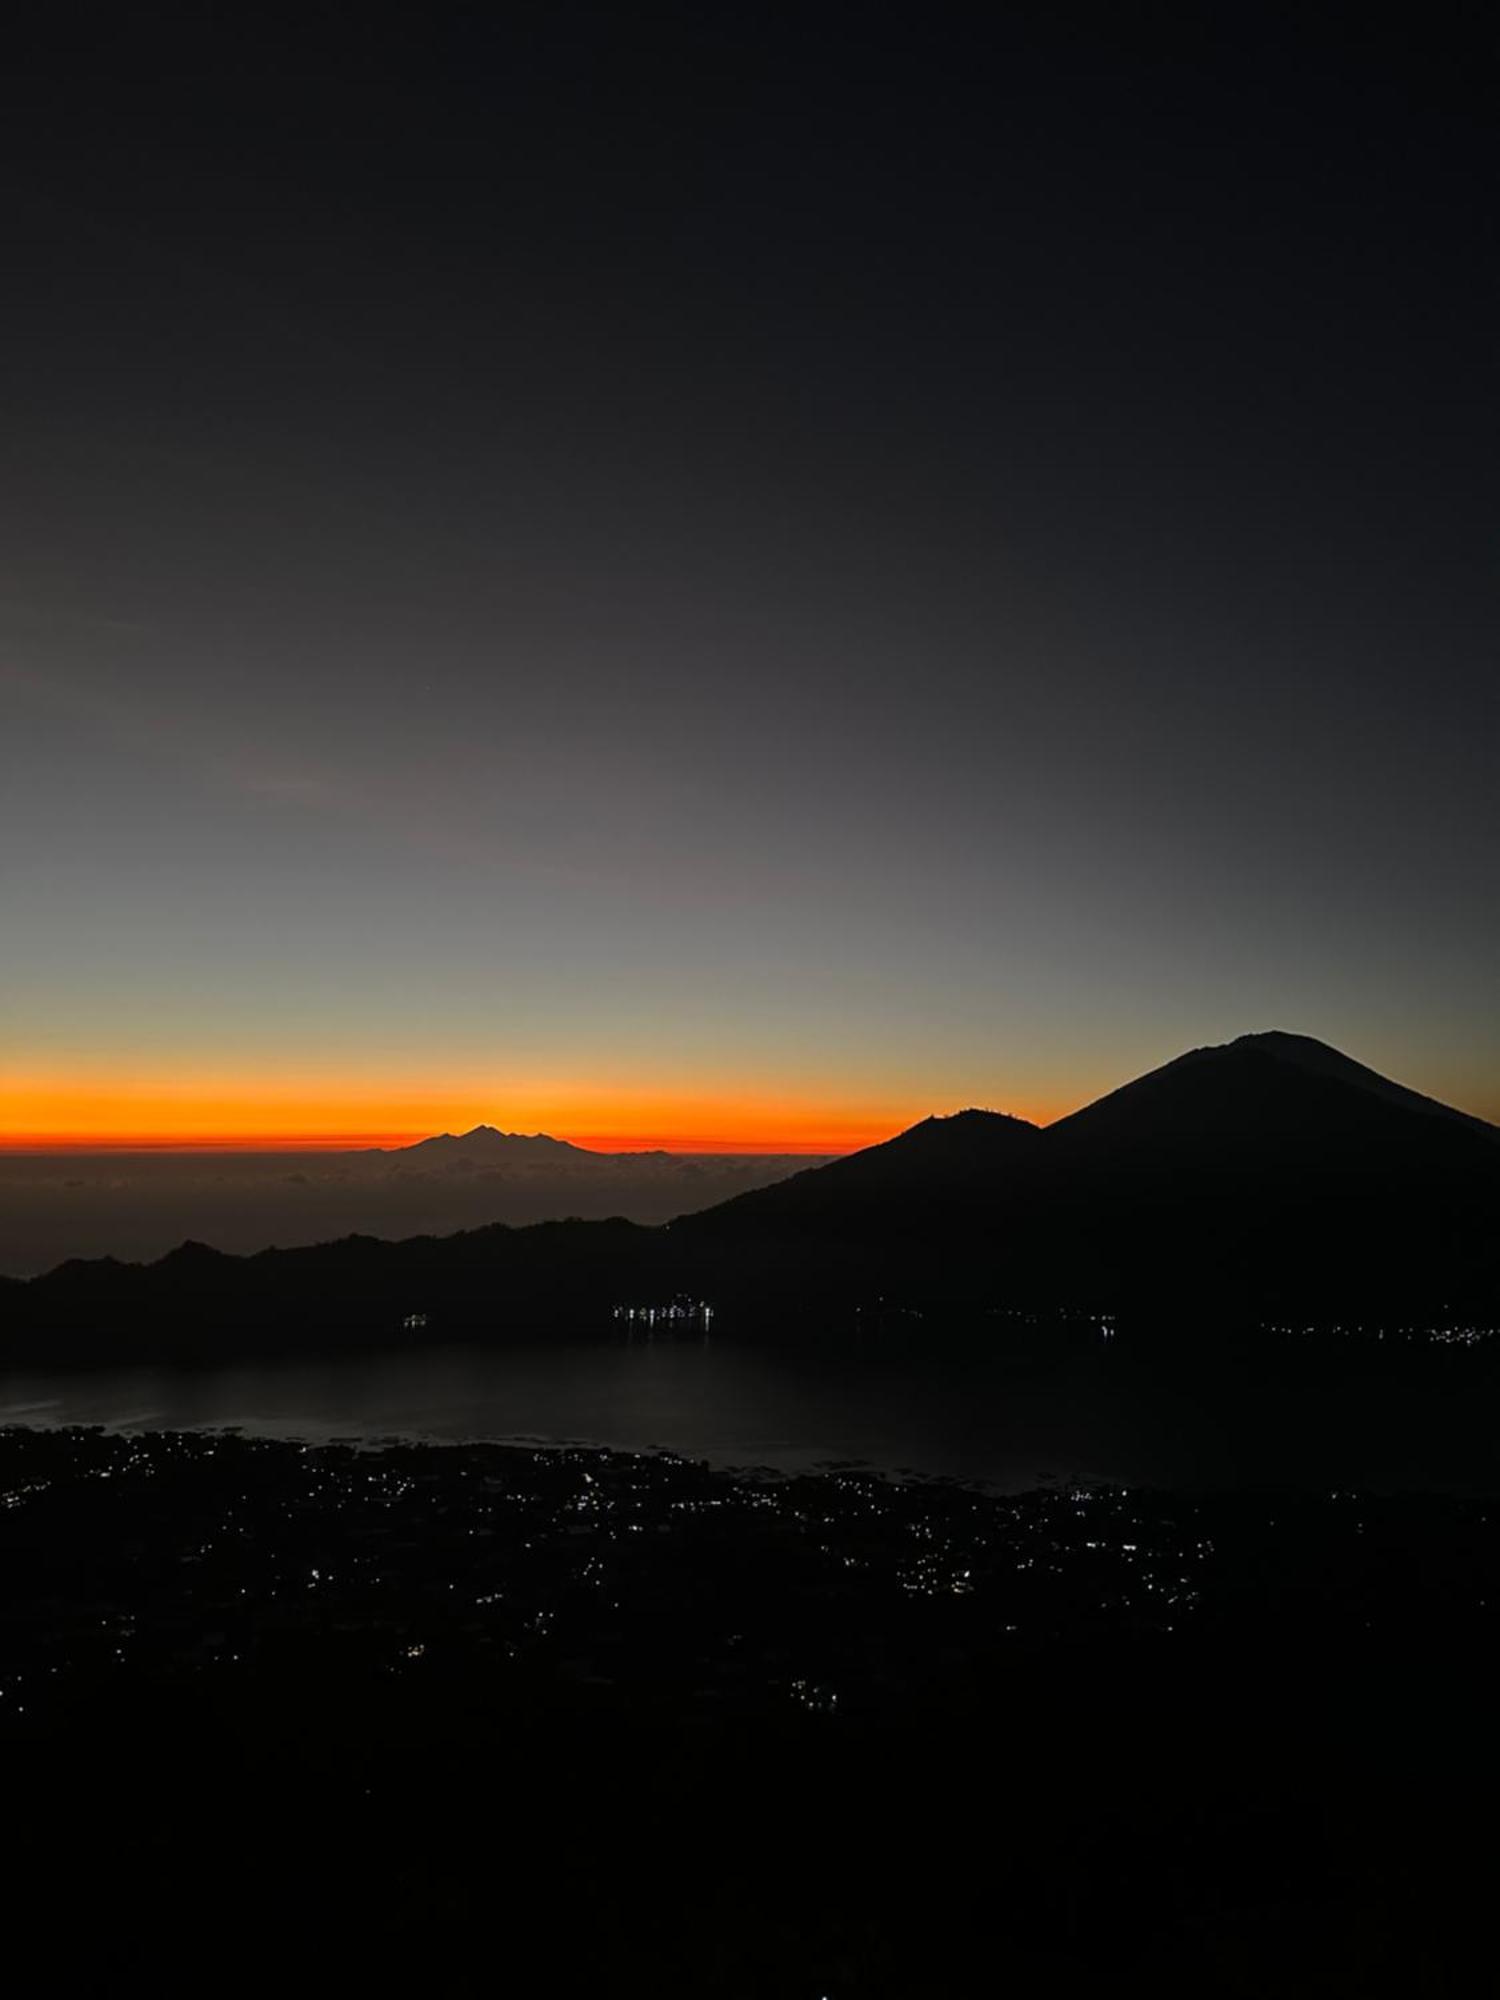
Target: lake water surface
column 1093, row 1414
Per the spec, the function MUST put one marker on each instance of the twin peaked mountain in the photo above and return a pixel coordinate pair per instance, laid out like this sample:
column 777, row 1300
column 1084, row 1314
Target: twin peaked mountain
column 1271, row 1174
column 1273, row 1170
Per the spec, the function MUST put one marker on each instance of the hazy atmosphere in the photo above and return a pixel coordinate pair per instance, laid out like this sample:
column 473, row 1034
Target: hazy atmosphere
column 104, row 1203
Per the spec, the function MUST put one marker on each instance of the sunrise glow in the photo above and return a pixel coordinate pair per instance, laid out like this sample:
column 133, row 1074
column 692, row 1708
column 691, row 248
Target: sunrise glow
column 227, row 1113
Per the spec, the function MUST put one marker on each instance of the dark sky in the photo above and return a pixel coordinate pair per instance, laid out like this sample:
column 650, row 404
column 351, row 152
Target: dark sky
column 713, row 573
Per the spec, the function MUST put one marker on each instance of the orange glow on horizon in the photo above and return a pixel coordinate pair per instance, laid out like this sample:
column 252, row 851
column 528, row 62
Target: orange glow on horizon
column 176, row 1114
column 351, row 1142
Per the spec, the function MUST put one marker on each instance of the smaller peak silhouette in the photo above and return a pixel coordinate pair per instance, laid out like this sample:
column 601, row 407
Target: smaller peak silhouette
column 953, row 1161
column 192, row 1263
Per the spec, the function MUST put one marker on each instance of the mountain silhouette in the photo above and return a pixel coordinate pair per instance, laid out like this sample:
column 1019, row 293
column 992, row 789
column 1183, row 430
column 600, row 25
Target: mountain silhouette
column 1276, row 1097
column 947, row 1164
column 1276, row 1168
column 920, row 1201
column 1269, row 1175
column 486, row 1146
column 1271, row 1169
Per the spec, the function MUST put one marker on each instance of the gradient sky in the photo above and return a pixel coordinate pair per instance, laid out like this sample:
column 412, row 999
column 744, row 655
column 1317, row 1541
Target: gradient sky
column 724, row 577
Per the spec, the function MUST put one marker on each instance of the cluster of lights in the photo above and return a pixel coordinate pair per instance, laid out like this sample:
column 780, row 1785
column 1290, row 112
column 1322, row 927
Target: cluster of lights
column 814, row 1697
column 679, row 1312
column 423, row 1548
column 1432, row 1334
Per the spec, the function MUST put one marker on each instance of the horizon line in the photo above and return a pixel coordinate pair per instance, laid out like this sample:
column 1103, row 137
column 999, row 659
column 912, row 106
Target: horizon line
column 628, row 1144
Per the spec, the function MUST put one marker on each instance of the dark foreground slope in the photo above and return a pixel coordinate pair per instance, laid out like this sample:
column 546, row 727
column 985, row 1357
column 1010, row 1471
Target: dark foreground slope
column 1270, row 1177
column 466, row 1720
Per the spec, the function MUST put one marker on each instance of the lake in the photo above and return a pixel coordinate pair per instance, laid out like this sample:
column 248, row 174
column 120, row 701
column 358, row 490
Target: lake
column 1094, row 1413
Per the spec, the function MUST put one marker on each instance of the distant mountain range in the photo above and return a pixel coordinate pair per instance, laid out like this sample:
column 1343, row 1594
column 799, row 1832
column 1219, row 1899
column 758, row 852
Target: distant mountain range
column 484, row 1144
column 137, row 1205
column 1271, row 1174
